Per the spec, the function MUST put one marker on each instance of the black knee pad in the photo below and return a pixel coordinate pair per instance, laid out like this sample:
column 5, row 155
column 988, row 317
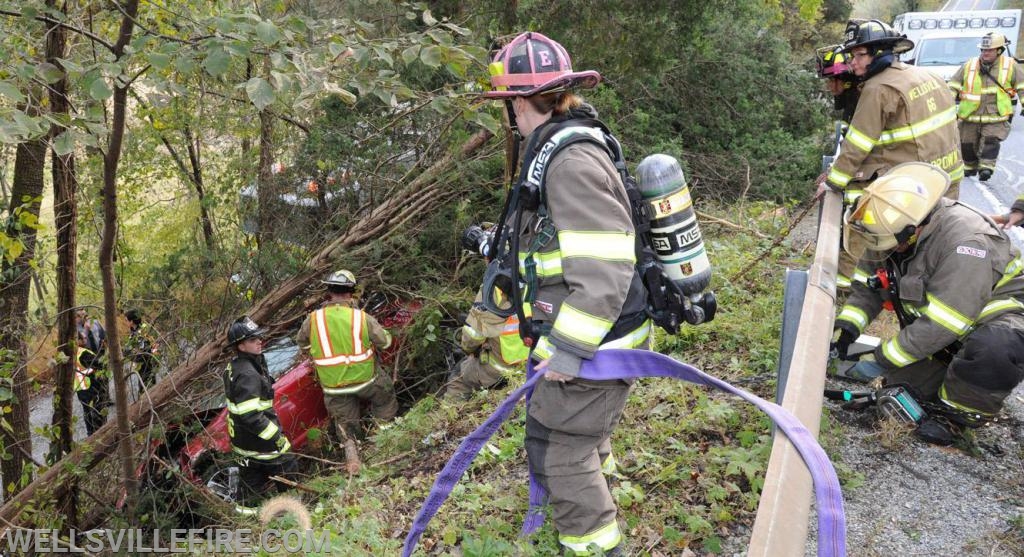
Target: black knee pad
column 992, row 358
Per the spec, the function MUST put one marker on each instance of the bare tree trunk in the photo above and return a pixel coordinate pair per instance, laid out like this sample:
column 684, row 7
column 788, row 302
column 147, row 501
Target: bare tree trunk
column 197, row 181
column 29, row 165
column 65, row 209
column 264, row 189
column 386, row 219
column 111, row 159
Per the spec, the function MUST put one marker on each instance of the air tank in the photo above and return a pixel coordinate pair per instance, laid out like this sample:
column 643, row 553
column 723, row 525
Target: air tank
column 675, row 235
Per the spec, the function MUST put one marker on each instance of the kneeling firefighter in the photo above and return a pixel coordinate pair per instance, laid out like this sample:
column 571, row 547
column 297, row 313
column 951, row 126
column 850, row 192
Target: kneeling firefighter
column 954, row 280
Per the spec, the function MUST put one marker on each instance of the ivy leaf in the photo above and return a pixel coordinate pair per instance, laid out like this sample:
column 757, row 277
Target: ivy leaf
column 63, row 144
column 347, row 97
column 489, row 122
column 410, row 54
column 217, row 61
column 159, row 60
column 99, row 89
column 431, row 56
column 428, row 18
column 268, row 33
column 48, row 72
column 260, row 92
column 11, row 91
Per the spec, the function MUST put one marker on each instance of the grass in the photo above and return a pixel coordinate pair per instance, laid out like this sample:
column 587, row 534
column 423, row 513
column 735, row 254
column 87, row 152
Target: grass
column 691, row 460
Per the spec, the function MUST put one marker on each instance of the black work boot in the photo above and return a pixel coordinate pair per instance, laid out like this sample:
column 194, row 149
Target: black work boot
column 984, row 174
column 935, row 432
column 970, row 172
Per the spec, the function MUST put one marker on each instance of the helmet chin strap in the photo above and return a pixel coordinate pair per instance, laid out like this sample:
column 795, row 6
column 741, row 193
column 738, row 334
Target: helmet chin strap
column 512, row 120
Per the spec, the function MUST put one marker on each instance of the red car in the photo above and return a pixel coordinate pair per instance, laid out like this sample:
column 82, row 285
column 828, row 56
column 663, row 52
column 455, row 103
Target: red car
column 203, row 457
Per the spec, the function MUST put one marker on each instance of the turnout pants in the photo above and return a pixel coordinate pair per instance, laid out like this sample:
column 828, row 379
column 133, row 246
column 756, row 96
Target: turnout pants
column 346, row 409
column 254, row 477
column 980, row 376
column 94, row 401
column 473, row 375
column 979, row 143
column 568, row 427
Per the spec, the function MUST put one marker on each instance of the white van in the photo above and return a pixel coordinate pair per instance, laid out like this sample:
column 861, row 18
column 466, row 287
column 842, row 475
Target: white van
column 943, row 41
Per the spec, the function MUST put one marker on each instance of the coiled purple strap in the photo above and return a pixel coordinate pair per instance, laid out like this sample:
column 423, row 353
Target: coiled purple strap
column 634, row 364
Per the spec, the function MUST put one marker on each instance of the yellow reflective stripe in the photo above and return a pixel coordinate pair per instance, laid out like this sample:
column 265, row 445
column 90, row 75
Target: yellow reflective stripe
column 998, row 306
column 896, row 354
column 957, row 173
column 843, row 281
column 955, row 86
column 860, row 276
column 860, row 140
column 970, row 97
column 605, row 537
column 1013, row 268
column 633, row 339
column 494, row 361
column 472, row 333
column 838, row 178
column 918, row 129
column 263, row 456
column 607, row 246
column 945, row 315
column 345, row 359
column 853, row 315
column 850, row 196
column 944, row 398
column 269, row 431
column 581, row 326
column 987, row 118
column 609, row 466
column 252, row 405
column 549, row 264
column 347, row 390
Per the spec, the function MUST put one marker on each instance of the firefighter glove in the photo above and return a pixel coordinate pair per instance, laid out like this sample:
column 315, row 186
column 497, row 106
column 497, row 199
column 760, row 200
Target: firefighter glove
column 866, row 369
column 282, row 443
column 841, row 341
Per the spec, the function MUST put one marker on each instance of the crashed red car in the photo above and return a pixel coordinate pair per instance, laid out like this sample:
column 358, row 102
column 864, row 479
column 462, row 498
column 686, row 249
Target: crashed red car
column 204, row 458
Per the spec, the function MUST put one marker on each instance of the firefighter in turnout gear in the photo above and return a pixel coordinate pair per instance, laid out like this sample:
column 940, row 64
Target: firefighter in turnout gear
column 574, row 241
column 833, row 66
column 493, row 350
column 904, row 113
column 341, row 339
column 85, row 385
column 255, row 431
column 93, row 391
column 987, row 87
column 956, row 286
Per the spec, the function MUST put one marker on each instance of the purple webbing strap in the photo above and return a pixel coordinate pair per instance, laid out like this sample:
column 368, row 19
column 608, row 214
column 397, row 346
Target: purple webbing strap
column 631, row 364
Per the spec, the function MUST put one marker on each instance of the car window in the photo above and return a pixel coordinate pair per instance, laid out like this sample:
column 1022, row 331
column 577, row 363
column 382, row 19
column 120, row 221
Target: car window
column 281, row 355
column 947, row 52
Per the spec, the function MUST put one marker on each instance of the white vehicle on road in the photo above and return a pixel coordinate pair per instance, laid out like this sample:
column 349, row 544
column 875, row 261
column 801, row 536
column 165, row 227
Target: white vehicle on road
column 943, row 41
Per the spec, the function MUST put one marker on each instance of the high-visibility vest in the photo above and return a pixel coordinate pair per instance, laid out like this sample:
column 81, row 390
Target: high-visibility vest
column 513, row 351
column 82, row 380
column 341, row 349
column 970, row 96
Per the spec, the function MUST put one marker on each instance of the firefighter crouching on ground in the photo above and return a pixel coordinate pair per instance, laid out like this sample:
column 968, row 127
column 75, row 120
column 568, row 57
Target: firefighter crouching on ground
column 904, row 113
column 987, row 87
column 253, row 426
column 340, row 338
column 576, row 252
column 493, row 350
column 957, row 289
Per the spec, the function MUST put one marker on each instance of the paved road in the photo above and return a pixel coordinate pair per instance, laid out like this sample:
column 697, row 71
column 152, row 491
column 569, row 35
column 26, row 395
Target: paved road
column 996, row 195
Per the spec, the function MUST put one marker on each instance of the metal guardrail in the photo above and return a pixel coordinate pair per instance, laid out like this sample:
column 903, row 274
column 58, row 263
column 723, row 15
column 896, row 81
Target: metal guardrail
column 780, row 529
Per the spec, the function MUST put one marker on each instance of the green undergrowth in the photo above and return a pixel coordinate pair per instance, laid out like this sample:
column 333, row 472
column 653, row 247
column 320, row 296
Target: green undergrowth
column 691, row 459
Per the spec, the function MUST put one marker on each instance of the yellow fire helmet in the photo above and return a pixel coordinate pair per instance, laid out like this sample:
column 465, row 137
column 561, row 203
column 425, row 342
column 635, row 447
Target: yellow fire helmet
column 892, row 207
column 992, row 40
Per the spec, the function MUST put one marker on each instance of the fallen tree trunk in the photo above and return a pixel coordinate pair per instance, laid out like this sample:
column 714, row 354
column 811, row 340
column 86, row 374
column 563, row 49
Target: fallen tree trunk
column 428, row 192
